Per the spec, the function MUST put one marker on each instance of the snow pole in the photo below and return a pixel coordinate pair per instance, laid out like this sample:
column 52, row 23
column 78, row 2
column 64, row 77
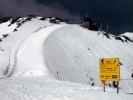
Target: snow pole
column 58, row 75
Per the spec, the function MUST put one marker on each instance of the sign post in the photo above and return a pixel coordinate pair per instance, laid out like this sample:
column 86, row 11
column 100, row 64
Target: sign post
column 110, row 71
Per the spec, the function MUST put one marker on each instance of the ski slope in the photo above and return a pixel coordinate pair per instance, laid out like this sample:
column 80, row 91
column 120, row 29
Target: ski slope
column 10, row 45
column 30, row 58
column 40, row 53
column 43, row 89
column 79, row 50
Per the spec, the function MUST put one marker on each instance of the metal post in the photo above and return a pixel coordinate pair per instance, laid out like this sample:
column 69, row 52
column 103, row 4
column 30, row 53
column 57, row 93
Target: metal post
column 104, row 88
column 103, row 82
column 117, row 87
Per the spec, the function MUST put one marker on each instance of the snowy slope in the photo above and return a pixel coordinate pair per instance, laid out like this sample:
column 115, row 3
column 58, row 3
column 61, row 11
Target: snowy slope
column 41, row 49
column 30, row 57
column 79, row 50
column 42, row 89
column 10, row 45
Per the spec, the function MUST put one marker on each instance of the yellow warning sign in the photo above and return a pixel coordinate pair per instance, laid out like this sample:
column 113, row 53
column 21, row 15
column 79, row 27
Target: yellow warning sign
column 109, row 69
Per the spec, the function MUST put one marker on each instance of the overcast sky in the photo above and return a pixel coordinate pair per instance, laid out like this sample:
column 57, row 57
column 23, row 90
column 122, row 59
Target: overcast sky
column 117, row 13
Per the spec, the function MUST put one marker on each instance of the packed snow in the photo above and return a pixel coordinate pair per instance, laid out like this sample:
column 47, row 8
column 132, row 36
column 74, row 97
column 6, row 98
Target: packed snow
column 43, row 89
column 57, row 61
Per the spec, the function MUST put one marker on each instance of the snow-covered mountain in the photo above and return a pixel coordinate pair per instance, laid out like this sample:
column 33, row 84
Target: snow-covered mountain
column 34, row 47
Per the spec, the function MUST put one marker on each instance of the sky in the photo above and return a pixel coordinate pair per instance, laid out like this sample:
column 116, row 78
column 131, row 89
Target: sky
column 117, row 14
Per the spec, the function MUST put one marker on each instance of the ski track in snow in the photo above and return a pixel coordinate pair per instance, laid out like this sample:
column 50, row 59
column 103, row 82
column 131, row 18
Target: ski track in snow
column 17, row 39
column 30, row 52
